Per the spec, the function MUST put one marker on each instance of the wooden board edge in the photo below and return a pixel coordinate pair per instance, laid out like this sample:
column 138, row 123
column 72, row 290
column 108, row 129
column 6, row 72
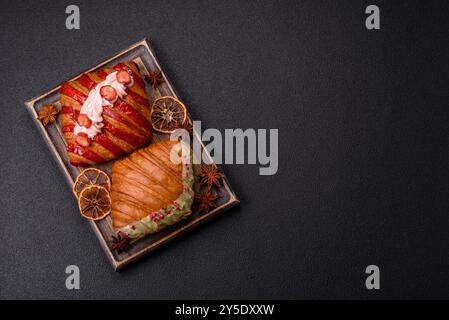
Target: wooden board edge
column 46, row 137
column 116, row 264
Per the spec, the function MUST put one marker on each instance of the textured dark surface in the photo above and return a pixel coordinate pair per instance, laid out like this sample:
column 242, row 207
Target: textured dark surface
column 363, row 124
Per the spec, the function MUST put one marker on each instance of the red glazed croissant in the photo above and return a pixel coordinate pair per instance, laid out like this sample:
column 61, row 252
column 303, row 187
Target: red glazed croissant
column 149, row 191
column 121, row 123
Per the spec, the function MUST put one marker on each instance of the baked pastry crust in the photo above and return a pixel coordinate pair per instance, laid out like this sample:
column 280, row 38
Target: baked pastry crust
column 127, row 124
column 149, row 191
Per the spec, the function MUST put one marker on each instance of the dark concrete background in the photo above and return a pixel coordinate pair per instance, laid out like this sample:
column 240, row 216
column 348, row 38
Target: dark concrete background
column 363, row 122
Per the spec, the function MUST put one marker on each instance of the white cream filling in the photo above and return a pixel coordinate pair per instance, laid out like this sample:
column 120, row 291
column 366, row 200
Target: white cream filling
column 93, row 106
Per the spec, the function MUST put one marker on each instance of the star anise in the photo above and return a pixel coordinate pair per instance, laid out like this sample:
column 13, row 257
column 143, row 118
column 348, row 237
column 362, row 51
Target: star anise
column 119, row 242
column 206, row 201
column 210, row 175
column 47, row 114
column 154, row 78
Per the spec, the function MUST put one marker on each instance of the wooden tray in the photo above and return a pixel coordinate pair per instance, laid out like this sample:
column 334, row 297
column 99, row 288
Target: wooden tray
column 144, row 56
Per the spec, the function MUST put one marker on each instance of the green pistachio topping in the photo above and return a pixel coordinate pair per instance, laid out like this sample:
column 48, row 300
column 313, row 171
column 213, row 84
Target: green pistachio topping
column 170, row 214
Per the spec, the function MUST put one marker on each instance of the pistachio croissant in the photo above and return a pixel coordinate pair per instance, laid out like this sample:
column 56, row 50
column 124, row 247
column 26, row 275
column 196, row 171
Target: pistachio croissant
column 149, row 191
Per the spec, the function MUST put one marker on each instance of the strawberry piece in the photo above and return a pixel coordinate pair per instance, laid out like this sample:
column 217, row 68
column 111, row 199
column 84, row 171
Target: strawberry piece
column 84, row 121
column 108, row 93
column 124, row 77
column 82, row 139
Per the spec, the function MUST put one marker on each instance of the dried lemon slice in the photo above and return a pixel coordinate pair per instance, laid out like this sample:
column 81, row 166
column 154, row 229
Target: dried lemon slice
column 90, row 177
column 168, row 114
column 94, row 202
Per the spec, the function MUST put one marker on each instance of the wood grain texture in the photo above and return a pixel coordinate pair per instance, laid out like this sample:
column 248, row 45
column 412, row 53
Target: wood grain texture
column 143, row 54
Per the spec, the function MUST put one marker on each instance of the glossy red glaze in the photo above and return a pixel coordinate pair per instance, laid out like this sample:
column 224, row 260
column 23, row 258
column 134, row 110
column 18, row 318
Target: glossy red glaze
column 102, row 74
column 87, row 82
column 85, row 152
column 68, row 128
column 132, row 139
column 71, row 112
column 137, row 98
column 106, row 143
column 66, row 110
column 68, row 90
column 132, row 114
column 110, row 112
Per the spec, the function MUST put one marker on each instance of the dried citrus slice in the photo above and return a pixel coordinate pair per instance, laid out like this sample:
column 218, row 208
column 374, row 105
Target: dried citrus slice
column 167, row 114
column 90, row 177
column 94, row 202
